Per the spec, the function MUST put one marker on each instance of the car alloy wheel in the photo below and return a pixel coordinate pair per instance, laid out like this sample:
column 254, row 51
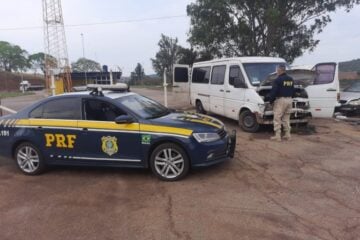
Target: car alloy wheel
column 29, row 159
column 169, row 162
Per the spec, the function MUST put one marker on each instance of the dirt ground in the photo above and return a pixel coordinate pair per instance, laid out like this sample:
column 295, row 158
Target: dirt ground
column 308, row 188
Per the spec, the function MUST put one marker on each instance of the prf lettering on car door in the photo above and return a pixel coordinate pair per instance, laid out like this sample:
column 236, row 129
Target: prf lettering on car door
column 60, row 140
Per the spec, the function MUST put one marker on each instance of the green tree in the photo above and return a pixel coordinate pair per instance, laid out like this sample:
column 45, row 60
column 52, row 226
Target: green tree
column 139, row 72
column 85, row 65
column 284, row 28
column 166, row 56
column 37, row 61
column 12, row 57
column 186, row 55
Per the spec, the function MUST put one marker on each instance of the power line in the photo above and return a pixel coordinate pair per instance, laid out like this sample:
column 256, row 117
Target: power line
column 97, row 23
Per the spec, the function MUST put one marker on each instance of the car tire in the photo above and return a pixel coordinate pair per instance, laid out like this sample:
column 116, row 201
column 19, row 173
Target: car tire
column 169, row 162
column 200, row 107
column 29, row 159
column 248, row 122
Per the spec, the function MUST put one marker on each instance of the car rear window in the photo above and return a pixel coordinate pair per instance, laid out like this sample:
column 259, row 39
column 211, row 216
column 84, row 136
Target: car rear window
column 65, row 108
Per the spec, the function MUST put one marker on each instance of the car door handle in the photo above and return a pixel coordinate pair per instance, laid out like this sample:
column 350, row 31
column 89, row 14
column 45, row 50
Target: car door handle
column 228, row 91
column 331, row 90
column 85, row 129
column 222, row 90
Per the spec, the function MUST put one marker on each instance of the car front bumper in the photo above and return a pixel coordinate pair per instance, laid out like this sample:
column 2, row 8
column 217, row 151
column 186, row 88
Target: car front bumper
column 217, row 152
column 348, row 110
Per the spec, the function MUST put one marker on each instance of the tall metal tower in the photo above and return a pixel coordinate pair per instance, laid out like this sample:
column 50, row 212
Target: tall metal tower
column 56, row 54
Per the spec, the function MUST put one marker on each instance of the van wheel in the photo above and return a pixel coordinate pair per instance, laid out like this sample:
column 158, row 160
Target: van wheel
column 169, row 162
column 248, row 122
column 200, row 107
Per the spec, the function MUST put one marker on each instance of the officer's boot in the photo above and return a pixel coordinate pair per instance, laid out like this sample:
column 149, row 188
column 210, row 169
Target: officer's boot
column 287, row 136
column 277, row 136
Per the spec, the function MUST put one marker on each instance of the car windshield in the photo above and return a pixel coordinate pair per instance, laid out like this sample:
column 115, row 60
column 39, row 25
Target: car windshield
column 144, row 107
column 258, row 72
column 355, row 87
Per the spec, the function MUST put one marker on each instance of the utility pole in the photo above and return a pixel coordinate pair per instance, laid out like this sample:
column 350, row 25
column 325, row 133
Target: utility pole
column 83, row 49
column 165, row 88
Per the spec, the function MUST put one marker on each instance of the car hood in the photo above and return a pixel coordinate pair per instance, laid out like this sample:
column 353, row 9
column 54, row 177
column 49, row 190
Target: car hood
column 346, row 96
column 302, row 77
column 194, row 121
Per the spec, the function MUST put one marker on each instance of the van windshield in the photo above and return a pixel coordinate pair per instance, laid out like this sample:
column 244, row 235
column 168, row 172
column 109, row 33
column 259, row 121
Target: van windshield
column 258, row 72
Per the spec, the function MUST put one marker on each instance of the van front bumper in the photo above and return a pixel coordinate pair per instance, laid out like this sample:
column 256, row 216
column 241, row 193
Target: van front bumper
column 297, row 116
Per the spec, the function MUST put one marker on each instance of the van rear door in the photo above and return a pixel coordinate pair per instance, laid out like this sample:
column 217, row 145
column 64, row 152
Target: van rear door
column 217, row 89
column 181, row 78
column 324, row 92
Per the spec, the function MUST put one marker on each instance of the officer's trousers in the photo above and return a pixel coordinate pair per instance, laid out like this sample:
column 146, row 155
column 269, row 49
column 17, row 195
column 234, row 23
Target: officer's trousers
column 282, row 112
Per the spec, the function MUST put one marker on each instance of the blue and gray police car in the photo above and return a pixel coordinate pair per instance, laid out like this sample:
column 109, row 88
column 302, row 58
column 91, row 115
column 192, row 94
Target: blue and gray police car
column 113, row 127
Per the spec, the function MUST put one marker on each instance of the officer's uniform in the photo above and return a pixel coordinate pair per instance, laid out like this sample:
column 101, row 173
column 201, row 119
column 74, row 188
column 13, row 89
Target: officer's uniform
column 281, row 95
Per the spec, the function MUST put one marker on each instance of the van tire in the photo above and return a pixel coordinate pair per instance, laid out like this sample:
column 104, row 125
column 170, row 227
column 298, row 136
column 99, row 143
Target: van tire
column 199, row 107
column 248, row 121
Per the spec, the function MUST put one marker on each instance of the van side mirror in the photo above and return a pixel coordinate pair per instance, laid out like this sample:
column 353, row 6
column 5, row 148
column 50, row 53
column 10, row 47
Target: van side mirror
column 239, row 83
column 231, row 81
column 123, row 119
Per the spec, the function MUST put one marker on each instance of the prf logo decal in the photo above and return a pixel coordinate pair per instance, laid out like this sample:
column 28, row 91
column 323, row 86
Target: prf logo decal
column 145, row 139
column 60, row 140
column 109, row 145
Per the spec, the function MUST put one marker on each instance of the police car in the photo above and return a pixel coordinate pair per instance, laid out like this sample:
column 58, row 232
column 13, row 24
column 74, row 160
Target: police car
column 113, row 127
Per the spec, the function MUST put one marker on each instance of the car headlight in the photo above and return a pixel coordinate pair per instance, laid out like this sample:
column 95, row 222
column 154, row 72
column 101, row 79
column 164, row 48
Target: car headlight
column 355, row 102
column 206, row 137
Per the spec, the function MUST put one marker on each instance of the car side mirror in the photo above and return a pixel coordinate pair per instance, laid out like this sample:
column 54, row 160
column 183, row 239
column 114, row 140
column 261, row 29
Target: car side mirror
column 123, row 119
column 238, row 83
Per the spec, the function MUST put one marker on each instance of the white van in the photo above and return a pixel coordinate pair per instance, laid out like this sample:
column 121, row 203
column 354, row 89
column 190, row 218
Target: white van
column 235, row 88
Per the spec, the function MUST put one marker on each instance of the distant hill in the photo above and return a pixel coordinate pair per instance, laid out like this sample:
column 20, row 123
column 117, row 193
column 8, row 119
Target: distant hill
column 350, row 66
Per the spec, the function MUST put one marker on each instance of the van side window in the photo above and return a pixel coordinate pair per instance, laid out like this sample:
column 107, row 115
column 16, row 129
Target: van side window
column 235, row 75
column 181, row 74
column 218, row 75
column 325, row 74
column 201, row 75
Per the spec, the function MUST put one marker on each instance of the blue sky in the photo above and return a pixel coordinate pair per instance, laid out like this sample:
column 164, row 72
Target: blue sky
column 126, row 44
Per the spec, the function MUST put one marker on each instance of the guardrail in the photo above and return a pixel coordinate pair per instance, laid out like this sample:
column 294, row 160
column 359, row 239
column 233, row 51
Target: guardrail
column 5, row 109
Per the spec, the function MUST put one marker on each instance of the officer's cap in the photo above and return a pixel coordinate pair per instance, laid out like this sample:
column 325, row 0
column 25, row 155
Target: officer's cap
column 282, row 66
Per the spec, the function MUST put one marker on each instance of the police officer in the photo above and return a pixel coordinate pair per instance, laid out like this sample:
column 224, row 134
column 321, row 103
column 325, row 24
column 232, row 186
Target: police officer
column 281, row 96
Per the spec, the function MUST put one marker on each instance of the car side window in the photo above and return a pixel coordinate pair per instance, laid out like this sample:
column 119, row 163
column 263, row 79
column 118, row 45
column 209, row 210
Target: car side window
column 65, row 108
column 201, row 75
column 97, row 110
column 37, row 112
column 218, row 75
column 236, row 78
